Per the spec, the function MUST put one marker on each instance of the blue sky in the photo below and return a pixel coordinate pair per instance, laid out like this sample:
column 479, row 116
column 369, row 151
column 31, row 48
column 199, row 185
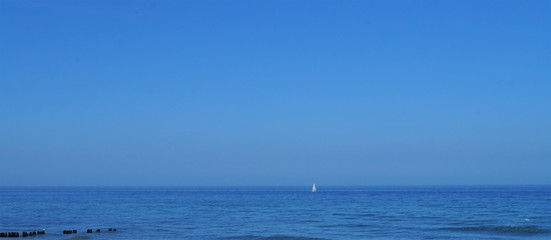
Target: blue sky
column 275, row 92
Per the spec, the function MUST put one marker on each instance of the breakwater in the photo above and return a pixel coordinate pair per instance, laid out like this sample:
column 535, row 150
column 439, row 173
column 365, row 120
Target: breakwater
column 16, row 234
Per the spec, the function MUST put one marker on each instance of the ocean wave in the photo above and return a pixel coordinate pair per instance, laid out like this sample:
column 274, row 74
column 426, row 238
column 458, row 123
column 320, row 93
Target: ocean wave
column 347, row 225
column 78, row 238
column 274, row 237
column 502, row 229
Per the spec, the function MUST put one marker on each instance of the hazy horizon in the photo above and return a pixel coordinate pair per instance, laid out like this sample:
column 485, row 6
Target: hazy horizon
column 305, row 187
column 275, row 93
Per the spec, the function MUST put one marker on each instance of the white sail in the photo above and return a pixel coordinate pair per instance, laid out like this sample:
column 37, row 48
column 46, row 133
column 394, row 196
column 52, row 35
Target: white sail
column 314, row 188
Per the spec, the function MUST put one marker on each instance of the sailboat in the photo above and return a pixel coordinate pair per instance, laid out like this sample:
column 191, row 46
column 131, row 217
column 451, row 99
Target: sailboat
column 314, row 188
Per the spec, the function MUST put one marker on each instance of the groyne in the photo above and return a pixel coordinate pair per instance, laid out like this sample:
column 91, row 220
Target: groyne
column 16, row 234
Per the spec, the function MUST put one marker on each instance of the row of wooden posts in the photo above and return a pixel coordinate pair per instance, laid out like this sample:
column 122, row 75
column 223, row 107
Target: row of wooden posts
column 42, row 232
column 23, row 234
column 88, row 231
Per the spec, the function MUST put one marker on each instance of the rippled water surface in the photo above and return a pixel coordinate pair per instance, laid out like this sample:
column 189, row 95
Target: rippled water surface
column 473, row 212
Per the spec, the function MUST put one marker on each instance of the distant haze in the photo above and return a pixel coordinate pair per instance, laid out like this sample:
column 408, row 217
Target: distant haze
column 194, row 93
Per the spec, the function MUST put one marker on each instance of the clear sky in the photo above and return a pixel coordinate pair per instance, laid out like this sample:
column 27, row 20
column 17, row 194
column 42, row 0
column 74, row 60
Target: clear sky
column 275, row 92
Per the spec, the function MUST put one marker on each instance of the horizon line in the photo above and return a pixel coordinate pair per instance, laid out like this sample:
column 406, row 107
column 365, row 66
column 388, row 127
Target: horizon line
column 271, row 186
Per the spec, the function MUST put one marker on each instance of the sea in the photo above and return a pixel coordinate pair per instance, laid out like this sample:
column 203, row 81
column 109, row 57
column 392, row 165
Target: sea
column 263, row 213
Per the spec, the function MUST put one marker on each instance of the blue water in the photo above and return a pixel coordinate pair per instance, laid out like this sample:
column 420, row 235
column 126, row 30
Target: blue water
column 503, row 212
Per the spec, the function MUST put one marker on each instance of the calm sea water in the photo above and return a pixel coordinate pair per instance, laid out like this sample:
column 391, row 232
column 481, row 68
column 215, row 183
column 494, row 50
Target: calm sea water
column 504, row 212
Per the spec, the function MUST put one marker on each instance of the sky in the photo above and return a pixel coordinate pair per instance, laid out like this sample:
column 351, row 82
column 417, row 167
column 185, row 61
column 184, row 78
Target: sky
column 276, row 92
